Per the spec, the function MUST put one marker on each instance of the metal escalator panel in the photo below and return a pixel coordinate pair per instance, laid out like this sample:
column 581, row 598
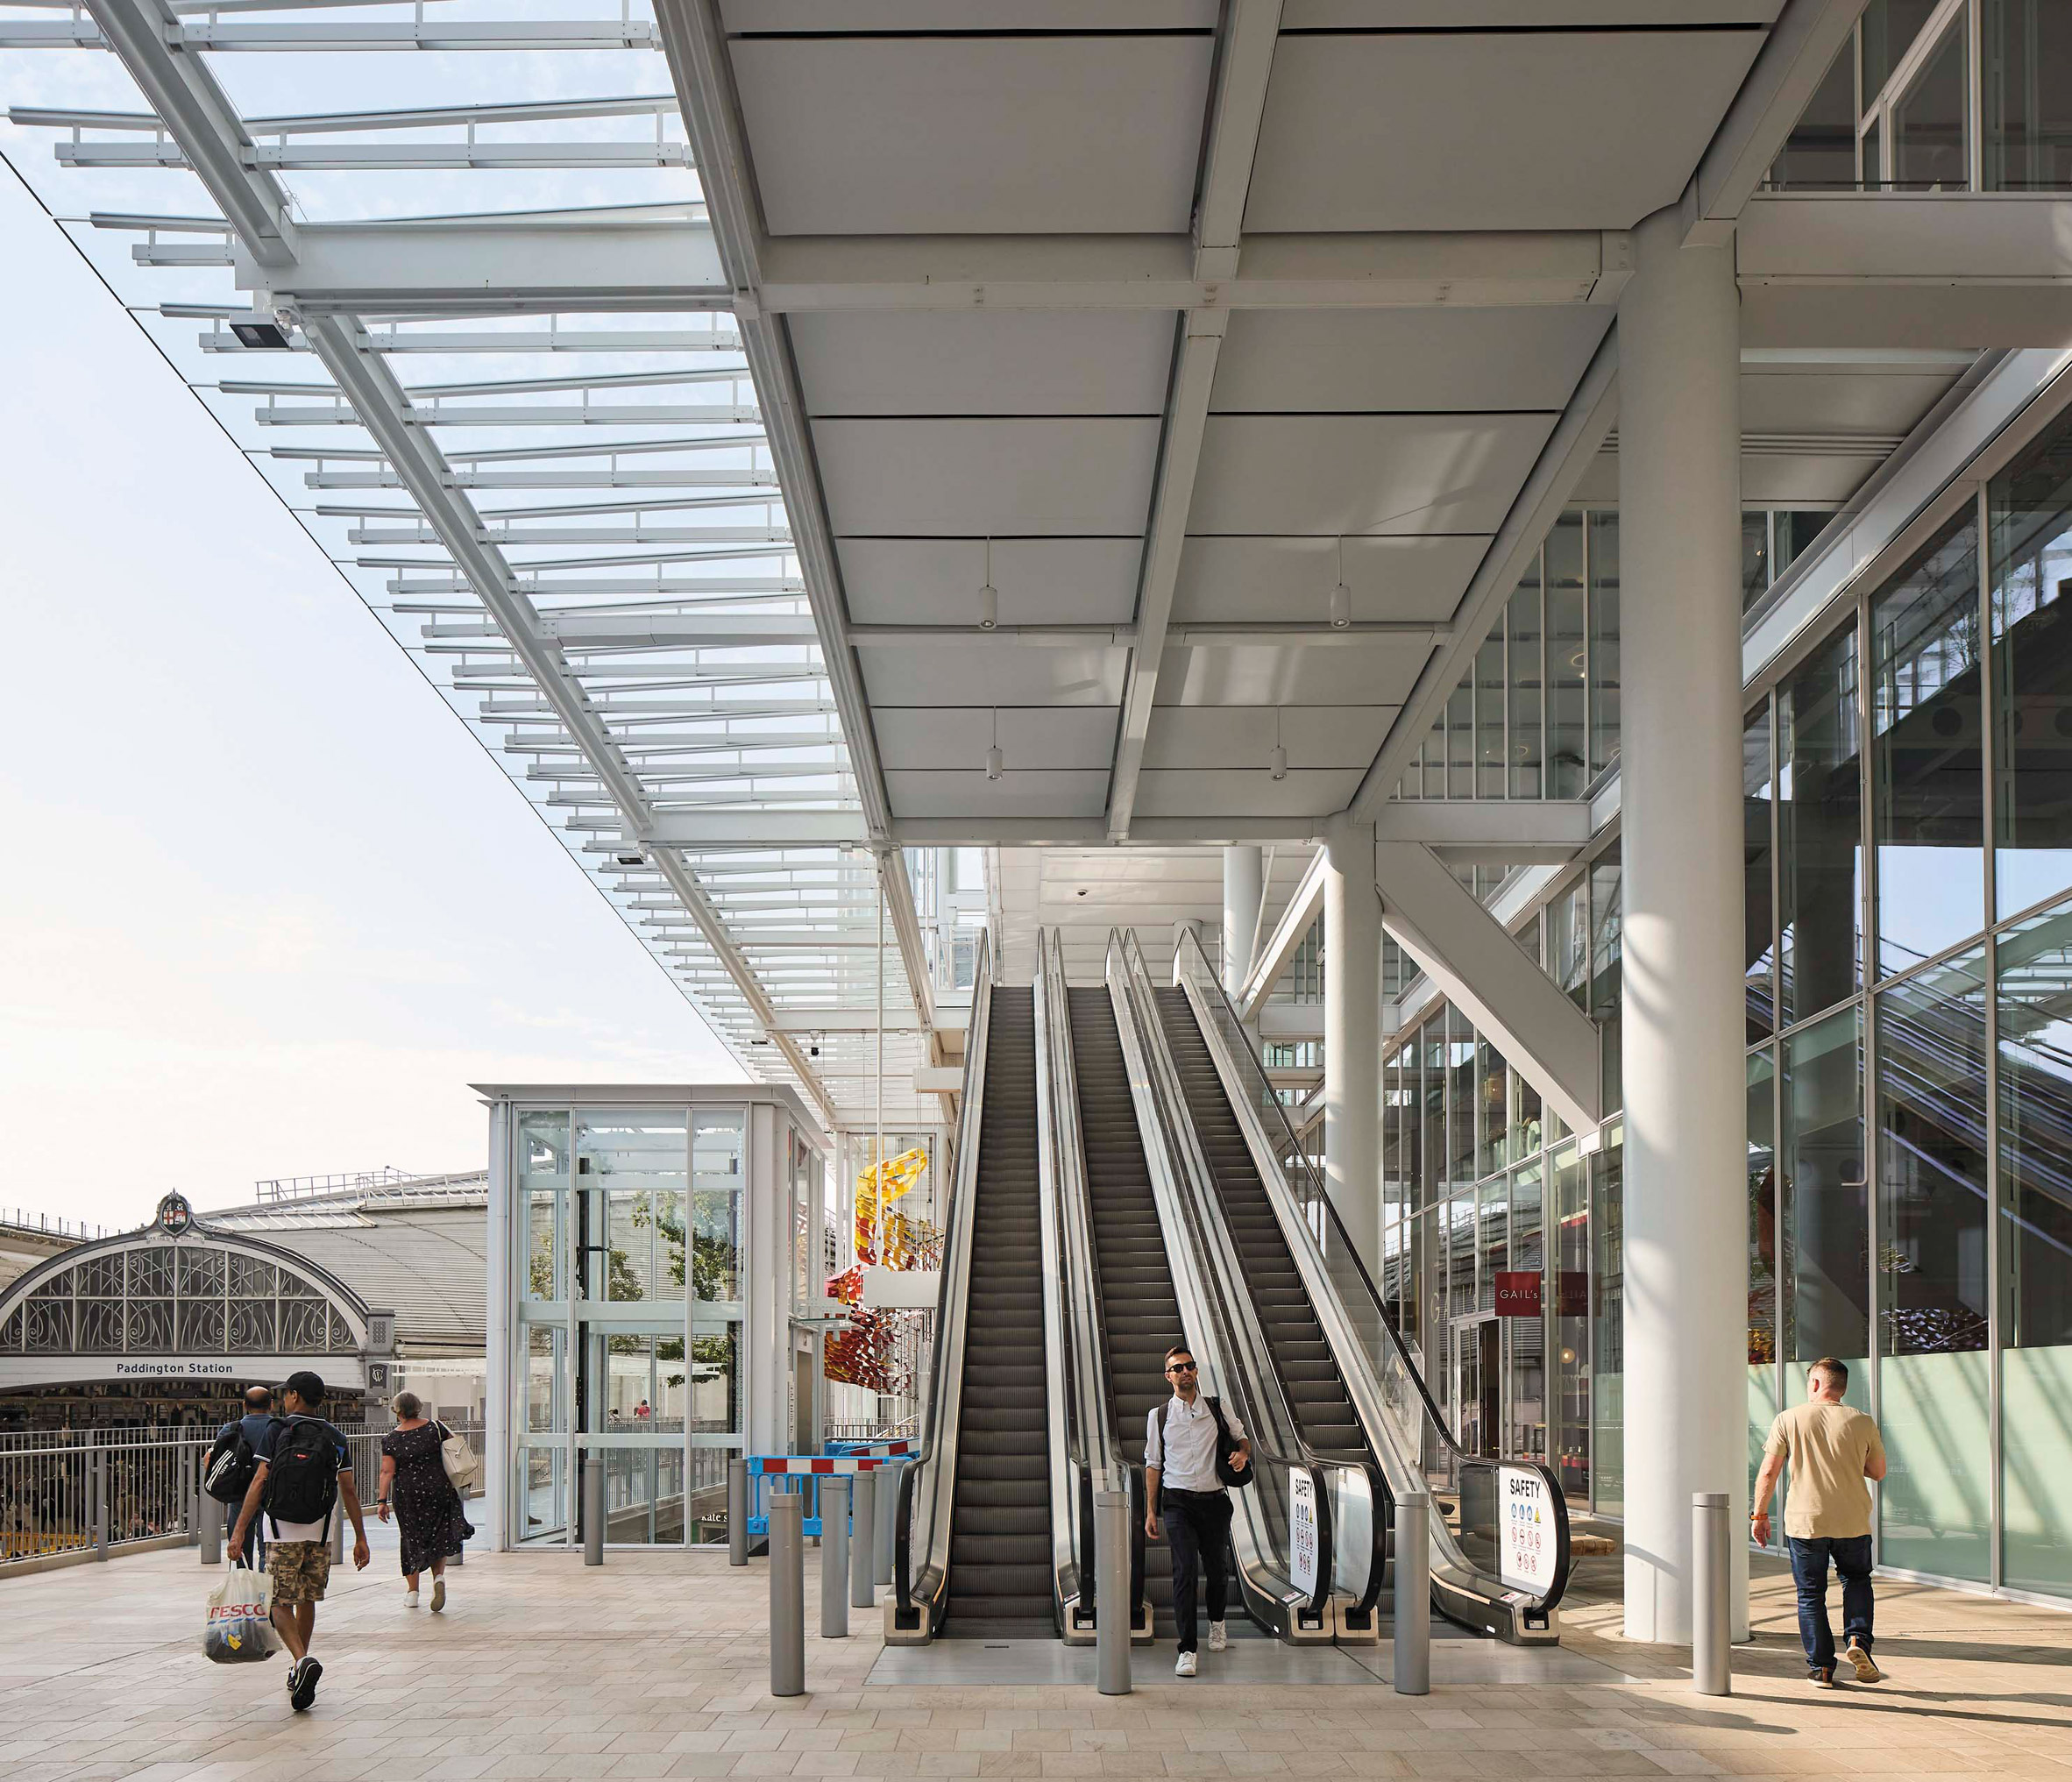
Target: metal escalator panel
column 1302, row 1355
column 1140, row 1309
column 1001, row 1582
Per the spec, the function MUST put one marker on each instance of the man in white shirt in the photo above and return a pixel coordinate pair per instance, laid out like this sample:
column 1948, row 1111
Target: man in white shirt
column 1180, row 1440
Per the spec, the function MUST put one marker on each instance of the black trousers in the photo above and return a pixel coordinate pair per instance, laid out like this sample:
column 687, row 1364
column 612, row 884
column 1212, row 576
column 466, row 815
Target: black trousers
column 1198, row 1525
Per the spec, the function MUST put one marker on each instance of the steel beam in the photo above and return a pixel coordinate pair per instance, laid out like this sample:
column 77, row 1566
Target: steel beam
column 614, row 263
column 1490, row 979
column 1244, row 61
column 1305, row 905
column 1569, row 452
column 204, row 123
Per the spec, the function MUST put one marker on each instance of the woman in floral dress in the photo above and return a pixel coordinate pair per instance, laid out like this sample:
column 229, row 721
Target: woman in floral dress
column 427, row 1507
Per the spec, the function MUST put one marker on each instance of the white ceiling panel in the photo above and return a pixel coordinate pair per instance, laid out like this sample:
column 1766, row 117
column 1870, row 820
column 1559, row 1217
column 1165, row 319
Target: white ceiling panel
column 824, row 16
column 1345, row 473
column 987, row 477
column 1796, row 479
column 1286, row 361
column 975, row 135
column 1469, row 15
column 947, row 793
column 1040, row 581
column 957, row 736
column 1249, row 674
column 994, row 674
column 985, row 362
column 1303, row 792
column 1564, row 130
column 1243, row 737
column 1260, row 579
column 1838, row 402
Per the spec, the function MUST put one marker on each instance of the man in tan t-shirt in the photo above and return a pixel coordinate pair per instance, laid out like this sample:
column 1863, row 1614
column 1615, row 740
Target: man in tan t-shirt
column 1835, row 1451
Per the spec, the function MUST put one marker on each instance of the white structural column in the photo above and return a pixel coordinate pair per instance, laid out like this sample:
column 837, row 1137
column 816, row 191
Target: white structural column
column 1686, row 1191
column 1352, row 1037
column 1244, row 885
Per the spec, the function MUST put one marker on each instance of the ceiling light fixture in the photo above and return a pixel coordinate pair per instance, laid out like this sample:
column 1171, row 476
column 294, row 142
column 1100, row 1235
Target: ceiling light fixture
column 994, row 760
column 988, row 600
column 1341, row 595
column 1277, row 761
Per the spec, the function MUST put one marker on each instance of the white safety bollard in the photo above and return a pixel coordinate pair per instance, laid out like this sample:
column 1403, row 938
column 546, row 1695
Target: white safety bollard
column 1112, row 1592
column 1712, row 1573
column 834, row 1557
column 1411, row 1635
column 787, row 1593
column 864, row 1541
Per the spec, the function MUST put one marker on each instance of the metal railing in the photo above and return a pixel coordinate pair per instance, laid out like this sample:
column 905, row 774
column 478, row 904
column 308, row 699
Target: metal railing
column 1473, row 1494
column 1090, row 1460
column 58, row 1487
column 927, row 1488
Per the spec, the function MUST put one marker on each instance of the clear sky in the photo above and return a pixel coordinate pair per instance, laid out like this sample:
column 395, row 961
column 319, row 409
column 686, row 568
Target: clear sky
column 267, row 908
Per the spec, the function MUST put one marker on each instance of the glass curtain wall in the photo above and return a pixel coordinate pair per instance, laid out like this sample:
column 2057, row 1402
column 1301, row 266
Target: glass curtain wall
column 1907, row 792
column 1537, row 713
column 1908, row 106
column 629, row 1305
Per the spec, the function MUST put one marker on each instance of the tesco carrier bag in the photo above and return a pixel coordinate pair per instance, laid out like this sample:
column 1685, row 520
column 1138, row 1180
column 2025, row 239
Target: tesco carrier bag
column 238, row 1628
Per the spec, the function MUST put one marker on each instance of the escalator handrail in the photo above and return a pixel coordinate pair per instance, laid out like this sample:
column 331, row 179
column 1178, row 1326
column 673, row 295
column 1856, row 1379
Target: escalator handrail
column 1078, row 1369
column 1215, row 1272
column 1196, row 975
column 939, row 1441
column 1316, row 1194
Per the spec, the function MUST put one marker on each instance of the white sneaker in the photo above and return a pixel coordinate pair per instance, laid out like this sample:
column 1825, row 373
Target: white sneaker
column 438, row 1594
column 1186, row 1666
column 1219, row 1635
column 409, row 1598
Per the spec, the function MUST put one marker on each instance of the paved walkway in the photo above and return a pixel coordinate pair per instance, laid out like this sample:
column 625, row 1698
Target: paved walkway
column 655, row 1667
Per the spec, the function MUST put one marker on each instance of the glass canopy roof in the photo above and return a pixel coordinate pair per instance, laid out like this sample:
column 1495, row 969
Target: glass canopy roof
column 562, row 504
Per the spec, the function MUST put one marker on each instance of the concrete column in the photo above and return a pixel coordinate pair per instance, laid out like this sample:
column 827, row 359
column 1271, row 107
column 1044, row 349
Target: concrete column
column 1686, row 1191
column 1244, row 884
column 1352, row 1040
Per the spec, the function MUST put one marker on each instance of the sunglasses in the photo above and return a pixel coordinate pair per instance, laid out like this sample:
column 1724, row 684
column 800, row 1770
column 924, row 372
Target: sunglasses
column 1181, row 1368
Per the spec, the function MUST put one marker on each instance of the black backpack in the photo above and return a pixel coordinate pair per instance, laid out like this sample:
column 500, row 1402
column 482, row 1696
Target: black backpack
column 231, row 1463
column 302, row 1473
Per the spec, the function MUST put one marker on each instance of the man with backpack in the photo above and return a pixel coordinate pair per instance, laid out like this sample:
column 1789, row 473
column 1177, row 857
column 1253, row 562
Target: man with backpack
column 305, row 1472
column 1185, row 1440
column 235, row 1458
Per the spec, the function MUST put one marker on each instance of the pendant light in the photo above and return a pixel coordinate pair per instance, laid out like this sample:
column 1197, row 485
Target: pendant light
column 1341, row 595
column 994, row 760
column 1277, row 761
column 988, row 600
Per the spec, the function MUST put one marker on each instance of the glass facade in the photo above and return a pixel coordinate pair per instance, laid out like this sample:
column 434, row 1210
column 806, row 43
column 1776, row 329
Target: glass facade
column 1909, row 106
column 1538, row 714
column 632, row 1278
column 1908, row 962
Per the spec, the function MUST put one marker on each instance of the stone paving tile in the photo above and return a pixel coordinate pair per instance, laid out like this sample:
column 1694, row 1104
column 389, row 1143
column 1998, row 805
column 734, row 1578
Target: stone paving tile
column 541, row 1670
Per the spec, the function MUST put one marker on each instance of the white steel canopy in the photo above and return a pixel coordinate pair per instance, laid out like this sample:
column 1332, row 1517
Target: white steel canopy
column 795, row 428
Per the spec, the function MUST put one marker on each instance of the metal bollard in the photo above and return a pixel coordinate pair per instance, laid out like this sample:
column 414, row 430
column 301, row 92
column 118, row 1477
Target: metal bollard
column 593, row 1510
column 864, row 1541
column 1112, row 1592
column 737, row 1511
column 97, row 1495
column 888, row 1515
column 1712, row 1571
column 1412, row 1633
column 834, row 1557
column 787, row 1593
column 213, row 1517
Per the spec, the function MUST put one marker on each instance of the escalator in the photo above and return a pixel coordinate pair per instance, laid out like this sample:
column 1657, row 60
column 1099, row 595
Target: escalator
column 1301, row 1353
column 1139, row 1311
column 1000, row 1583
column 1499, row 1533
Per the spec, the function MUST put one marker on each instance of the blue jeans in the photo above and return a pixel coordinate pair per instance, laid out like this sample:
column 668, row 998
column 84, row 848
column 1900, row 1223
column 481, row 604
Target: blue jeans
column 1851, row 1555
